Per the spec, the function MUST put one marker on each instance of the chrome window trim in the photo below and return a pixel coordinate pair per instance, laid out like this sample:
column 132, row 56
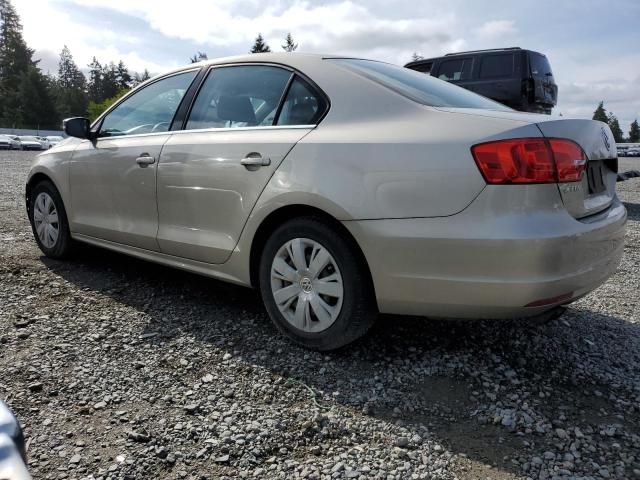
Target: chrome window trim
column 212, row 68
column 208, row 130
column 294, row 72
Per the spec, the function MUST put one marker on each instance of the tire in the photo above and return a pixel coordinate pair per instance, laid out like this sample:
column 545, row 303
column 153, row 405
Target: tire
column 351, row 315
column 43, row 193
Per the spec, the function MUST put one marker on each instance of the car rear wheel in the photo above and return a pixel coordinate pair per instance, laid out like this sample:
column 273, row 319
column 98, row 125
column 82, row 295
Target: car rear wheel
column 49, row 221
column 314, row 287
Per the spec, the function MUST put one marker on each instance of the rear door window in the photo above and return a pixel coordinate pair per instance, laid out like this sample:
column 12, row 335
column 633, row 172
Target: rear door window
column 455, row 69
column 239, row 96
column 496, row 66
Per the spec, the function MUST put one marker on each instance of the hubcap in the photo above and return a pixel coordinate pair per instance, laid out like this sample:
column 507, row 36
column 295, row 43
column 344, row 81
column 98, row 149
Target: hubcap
column 306, row 284
column 45, row 219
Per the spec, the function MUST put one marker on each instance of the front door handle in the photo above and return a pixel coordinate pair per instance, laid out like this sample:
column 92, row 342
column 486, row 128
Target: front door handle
column 255, row 160
column 145, row 160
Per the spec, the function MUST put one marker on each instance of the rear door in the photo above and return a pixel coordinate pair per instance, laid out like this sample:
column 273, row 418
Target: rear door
column 244, row 121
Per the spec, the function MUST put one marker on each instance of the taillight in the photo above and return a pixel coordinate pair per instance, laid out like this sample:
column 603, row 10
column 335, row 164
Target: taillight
column 530, row 160
column 571, row 161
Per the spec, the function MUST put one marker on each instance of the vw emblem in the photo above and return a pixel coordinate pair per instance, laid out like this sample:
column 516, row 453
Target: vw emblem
column 605, row 138
column 306, row 285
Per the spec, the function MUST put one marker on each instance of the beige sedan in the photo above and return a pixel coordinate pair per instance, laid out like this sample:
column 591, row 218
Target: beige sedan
column 340, row 188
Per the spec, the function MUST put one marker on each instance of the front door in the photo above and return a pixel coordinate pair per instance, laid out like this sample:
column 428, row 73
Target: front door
column 244, row 121
column 113, row 177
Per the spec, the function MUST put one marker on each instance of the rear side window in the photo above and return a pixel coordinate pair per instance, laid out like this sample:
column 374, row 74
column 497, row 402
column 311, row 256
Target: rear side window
column 239, row 96
column 302, row 106
column 420, row 88
column 455, row 69
column 495, row 66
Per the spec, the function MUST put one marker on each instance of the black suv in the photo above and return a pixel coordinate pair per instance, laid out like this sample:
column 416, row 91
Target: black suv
column 520, row 79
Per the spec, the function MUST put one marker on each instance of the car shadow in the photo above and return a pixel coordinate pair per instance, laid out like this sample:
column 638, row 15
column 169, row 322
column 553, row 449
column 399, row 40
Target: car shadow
column 438, row 375
column 633, row 210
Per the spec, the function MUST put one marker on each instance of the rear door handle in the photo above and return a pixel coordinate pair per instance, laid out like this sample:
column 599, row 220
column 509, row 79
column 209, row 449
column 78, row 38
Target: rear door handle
column 145, row 160
column 255, row 160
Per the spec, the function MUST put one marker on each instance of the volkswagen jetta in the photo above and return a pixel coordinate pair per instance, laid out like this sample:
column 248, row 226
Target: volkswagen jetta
column 339, row 188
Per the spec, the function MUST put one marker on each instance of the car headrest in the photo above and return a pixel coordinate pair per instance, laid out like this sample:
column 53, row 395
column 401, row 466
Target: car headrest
column 236, row 109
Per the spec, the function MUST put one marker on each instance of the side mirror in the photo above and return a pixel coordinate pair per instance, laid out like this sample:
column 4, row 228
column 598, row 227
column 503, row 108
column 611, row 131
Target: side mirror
column 78, row 127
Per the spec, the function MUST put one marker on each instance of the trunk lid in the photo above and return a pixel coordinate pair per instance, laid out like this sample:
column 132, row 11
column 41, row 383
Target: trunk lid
column 596, row 190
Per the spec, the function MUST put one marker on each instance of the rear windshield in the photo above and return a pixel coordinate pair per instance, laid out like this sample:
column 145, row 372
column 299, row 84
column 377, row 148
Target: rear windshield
column 417, row 86
column 539, row 65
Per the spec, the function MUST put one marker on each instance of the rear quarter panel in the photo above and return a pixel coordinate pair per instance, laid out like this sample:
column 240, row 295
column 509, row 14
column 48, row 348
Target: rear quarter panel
column 415, row 165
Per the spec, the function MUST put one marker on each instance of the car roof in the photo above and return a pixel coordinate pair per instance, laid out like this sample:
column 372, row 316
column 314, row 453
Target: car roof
column 292, row 59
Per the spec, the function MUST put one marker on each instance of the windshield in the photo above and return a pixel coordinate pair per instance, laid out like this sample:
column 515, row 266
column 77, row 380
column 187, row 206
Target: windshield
column 54, row 138
column 34, row 139
column 417, row 86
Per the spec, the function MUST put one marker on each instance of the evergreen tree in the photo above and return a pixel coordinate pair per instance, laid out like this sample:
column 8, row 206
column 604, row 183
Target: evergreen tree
column 109, row 83
column 634, row 132
column 601, row 113
column 416, row 56
column 139, row 78
column 123, row 78
column 289, row 45
column 198, row 57
column 71, row 95
column 37, row 109
column 95, row 81
column 259, row 45
column 15, row 61
column 615, row 128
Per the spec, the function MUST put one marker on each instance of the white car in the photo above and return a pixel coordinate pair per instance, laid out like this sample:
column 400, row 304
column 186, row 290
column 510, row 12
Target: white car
column 10, row 142
column 6, row 142
column 54, row 139
column 46, row 144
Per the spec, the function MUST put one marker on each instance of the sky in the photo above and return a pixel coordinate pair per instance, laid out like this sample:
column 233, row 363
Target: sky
column 593, row 46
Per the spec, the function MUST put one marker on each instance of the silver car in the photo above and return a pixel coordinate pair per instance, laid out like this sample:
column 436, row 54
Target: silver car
column 30, row 142
column 340, row 188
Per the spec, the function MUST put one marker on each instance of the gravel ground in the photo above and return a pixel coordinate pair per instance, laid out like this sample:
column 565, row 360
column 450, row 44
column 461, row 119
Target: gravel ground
column 123, row 369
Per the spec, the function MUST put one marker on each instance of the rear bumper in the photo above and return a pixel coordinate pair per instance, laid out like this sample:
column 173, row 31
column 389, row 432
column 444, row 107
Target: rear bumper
column 511, row 247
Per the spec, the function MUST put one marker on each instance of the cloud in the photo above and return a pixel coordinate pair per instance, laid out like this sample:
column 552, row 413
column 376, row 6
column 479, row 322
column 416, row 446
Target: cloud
column 159, row 35
column 47, row 28
column 496, row 29
column 337, row 27
column 581, row 86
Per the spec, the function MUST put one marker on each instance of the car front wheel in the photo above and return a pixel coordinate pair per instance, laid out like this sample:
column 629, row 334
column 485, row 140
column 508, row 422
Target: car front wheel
column 49, row 221
column 314, row 287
